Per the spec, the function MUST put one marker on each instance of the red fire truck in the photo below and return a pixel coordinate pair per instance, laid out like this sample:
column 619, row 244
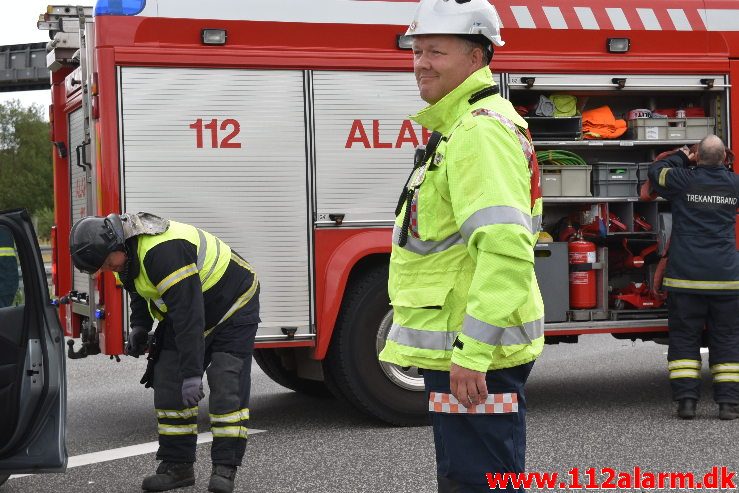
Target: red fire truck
column 282, row 127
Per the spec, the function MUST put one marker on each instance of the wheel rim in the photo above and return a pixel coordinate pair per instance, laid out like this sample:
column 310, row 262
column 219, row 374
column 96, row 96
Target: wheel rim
column 409, row 378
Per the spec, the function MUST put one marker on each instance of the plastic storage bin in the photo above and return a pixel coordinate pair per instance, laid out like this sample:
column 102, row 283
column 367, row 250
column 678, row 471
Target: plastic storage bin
column 615, row 180
column 552, row 128
column 565, row 181
column 693, row 128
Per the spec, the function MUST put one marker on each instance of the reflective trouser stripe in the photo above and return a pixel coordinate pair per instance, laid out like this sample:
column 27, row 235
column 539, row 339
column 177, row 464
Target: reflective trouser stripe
column 684, row 373
column 178, row 429
column 499, row 214
column 726, row 377
column 678, row 364
column 234, row 417
column 725, row 368
column 7, row 252
column 230, row 432
column 175, row 414
column 502, row 336
column 690, row 284
column 427, row 247
column 504, row 403
column 725, row 372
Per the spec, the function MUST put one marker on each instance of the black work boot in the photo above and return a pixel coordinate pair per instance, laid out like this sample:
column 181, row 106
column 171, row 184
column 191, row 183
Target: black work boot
column 727, row 410
column 222, row 479
column 170, row 475
column 686, row 408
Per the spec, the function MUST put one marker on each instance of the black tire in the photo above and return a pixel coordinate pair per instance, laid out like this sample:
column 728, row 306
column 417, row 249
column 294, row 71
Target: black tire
column 352, row 364
column 3, row 478
column 271, row 364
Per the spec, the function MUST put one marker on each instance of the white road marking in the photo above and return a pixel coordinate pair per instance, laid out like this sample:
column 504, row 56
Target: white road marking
column 704, row 350
column 123, row 452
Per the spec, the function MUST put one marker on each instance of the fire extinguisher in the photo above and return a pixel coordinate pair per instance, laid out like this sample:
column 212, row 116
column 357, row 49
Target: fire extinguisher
column 582, row 276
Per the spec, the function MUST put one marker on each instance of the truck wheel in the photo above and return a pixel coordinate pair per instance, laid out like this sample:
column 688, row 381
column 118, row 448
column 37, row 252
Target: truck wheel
column 271, row 364
column 393, row 394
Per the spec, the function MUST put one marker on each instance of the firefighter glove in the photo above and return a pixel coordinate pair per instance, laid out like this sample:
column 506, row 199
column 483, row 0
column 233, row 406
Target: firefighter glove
column 192, row 391
column 138, row 339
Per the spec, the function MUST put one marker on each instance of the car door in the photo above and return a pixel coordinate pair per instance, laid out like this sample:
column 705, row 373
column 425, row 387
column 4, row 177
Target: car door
column 33, row 396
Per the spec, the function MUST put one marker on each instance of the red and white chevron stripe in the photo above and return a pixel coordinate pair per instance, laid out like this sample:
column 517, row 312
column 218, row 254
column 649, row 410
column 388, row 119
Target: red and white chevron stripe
column 537, row 16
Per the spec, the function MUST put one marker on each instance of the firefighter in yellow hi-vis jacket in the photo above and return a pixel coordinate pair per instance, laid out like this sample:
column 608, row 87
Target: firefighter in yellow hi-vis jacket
column 205, row 297
column 467, row 307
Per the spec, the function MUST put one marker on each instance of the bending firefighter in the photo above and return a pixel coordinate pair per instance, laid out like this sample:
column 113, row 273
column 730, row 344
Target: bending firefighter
column 466, row 305
column 205, row 299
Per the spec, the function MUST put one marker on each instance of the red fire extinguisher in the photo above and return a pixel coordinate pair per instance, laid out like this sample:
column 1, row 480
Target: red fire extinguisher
column 582, row 279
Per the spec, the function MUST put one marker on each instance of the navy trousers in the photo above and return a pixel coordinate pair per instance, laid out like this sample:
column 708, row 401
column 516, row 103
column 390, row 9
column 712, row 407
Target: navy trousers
column 468, row 446
column 688, row 315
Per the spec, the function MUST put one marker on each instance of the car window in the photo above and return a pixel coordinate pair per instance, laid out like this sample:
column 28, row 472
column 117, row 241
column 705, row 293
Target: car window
column 11, row 282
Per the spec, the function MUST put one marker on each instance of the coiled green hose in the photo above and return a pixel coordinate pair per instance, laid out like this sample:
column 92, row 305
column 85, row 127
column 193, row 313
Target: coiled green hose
column 560, row 157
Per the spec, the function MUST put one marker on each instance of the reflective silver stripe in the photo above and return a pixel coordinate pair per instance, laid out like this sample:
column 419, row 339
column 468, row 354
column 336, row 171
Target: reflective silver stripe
column 536, row 223
column 178, row 429
column 174, row 414
column 725, row 367
column 229, row 431
column 202, row 250
column 215, row 261
column 684, row 363
column 499, row 214
column 502, row 336
column 230, row 417
column 685, row 373
column 176, row 277
column 160, row 304
column 240, row 302
column 425, row 247
column 726, row 377
column 7, row 252
column 422, row 339
column 688, row 284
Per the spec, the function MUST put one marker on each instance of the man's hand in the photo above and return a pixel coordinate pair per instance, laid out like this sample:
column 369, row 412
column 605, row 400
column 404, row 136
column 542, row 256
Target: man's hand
column 468, row 386
column 192, row 391
column 138, row 340
column 686, row 150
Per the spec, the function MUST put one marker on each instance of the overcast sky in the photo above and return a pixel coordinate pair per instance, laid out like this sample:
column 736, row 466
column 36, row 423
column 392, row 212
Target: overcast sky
column 18, row 26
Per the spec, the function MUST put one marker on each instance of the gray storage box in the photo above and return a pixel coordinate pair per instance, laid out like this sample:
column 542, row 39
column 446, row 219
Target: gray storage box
column 615, row 180
column 552, row 272
column 642, row 172
column 692, row 128
column 565, row 181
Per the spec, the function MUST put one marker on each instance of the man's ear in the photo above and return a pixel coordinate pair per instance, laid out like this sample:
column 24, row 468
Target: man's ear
column 478, row 56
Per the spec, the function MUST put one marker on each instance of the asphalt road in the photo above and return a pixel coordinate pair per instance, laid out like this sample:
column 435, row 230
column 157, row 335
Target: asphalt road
column 600, row 403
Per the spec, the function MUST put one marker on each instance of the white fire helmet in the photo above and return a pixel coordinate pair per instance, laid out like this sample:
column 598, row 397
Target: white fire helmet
column 456, row 17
